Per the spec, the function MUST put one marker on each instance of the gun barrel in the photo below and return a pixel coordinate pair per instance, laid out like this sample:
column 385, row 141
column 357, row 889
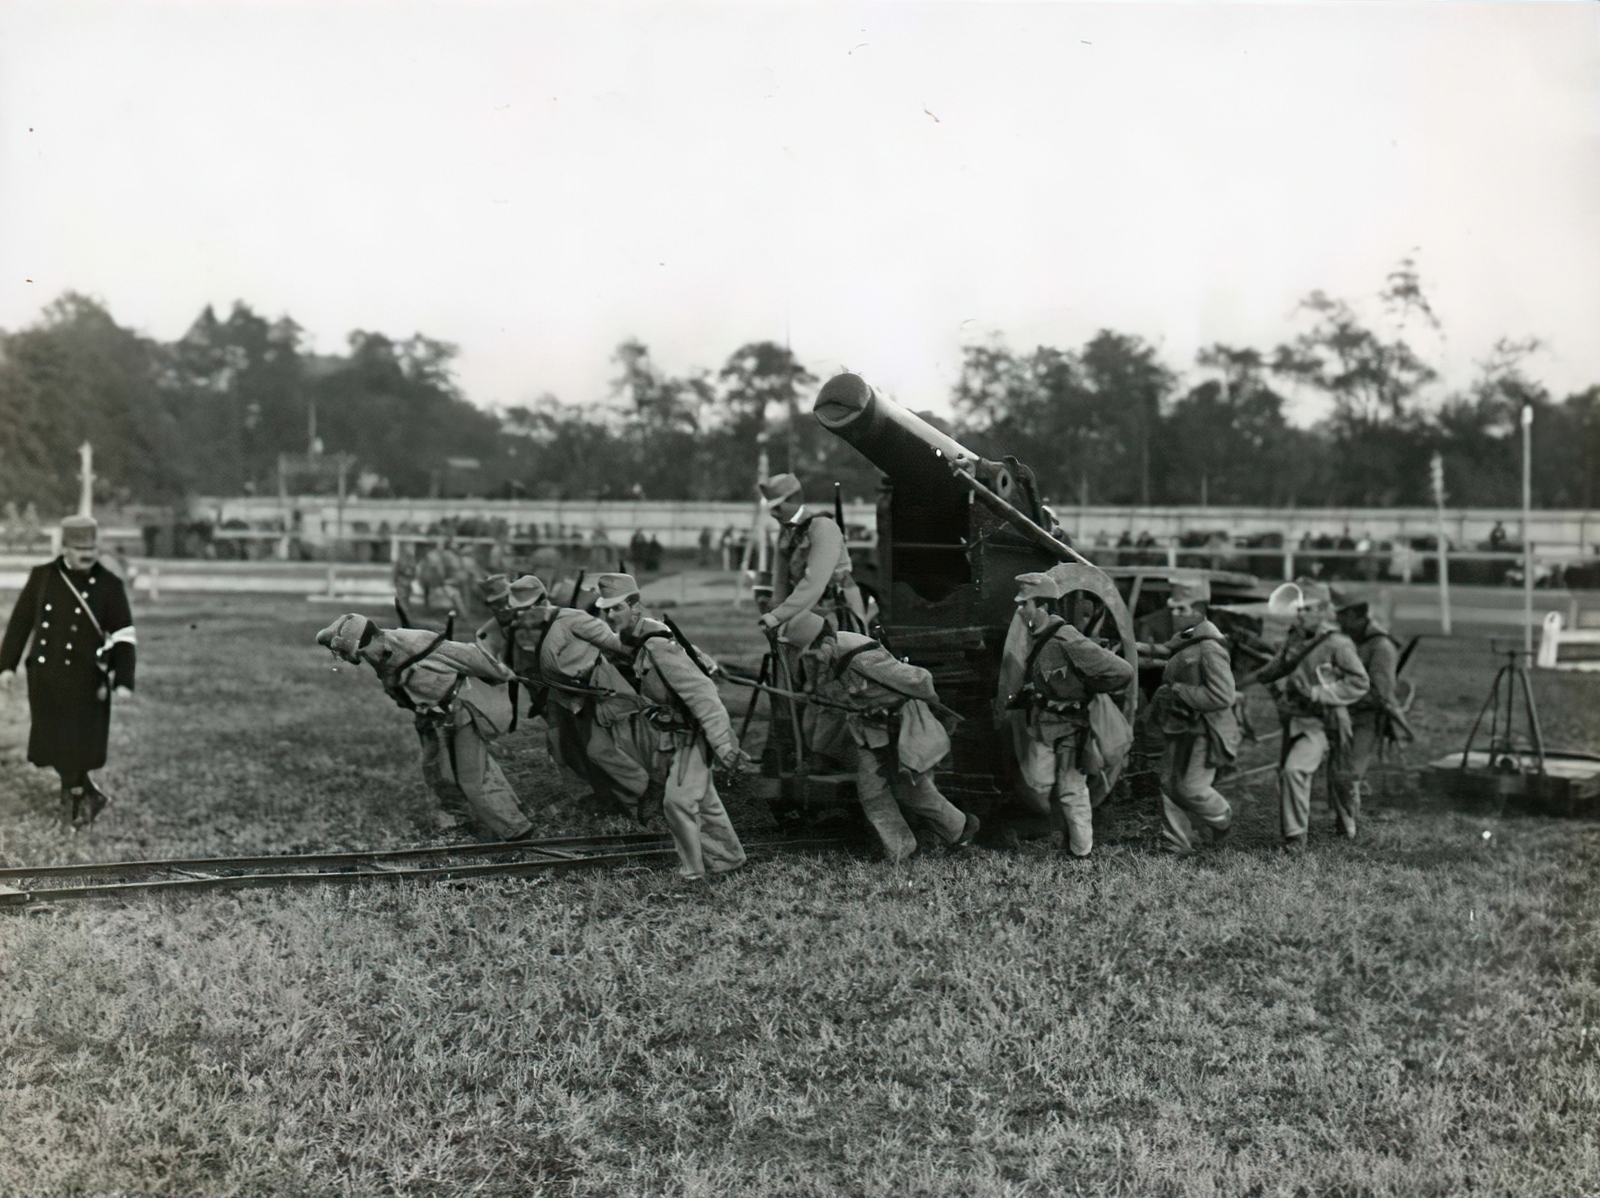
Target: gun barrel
column 904, row 446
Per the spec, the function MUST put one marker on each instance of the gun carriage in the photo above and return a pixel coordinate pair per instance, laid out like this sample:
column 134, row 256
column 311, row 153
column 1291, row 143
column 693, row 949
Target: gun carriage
column 954, row 531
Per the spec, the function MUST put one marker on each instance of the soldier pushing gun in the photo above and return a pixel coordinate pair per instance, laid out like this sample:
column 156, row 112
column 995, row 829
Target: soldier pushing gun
column 890, row 722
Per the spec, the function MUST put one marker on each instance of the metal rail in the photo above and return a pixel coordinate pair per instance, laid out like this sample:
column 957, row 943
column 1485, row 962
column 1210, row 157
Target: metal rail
column 557, row 856
column 283, row 861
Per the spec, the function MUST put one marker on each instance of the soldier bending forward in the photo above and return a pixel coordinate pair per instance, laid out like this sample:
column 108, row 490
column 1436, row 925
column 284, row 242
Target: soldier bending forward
column 691, row 726
column 897, row 739
column 428, row 675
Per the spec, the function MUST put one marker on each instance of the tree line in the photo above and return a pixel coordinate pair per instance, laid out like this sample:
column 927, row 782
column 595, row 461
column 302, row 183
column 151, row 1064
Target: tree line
column 1109, row 422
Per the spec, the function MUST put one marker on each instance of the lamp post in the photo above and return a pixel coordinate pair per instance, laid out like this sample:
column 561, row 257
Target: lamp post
column 1527, row 528
column 1436, row 471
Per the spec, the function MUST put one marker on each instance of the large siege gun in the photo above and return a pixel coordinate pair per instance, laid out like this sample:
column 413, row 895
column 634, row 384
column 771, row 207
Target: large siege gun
column 954, row 531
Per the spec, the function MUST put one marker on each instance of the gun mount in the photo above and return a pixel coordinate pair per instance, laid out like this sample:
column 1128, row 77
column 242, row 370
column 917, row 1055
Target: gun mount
column 954, row 531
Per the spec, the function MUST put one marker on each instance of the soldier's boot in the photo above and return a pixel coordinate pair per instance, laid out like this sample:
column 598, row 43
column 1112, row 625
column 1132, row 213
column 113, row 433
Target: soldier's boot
column 969, row 833
column 79, row 806
column 68, row 806
column 95, row 801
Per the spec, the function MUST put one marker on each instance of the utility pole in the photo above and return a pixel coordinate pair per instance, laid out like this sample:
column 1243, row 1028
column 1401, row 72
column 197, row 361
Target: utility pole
column 86, row 473
column 1436, row 471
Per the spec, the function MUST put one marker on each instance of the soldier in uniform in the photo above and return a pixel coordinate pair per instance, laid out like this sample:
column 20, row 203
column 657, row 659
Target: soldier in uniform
column 496, row 635
column 891, row 723
column 589, row 734
column 691, row 728
column 1374, row 718
column 1194, row 709
column 811, row 569
column 427, row 674
column 73, row 623
column 1321, row 675
column 1064, row 671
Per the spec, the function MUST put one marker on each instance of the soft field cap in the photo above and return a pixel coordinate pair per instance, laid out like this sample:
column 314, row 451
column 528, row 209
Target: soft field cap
column 526, row 591
column 344, row 635
column 1191, row 588
column 1037, row 586
column 615, row 590
column 780, row 487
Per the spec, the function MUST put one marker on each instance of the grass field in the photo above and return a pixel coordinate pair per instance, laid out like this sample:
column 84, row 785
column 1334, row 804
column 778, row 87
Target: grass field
column 1414, row 1014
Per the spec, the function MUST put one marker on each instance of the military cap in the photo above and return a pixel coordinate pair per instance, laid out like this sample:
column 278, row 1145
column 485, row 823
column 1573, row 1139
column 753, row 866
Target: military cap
column 1315, row 594
column 1037, row 586
column 615, row 590
column 79, row 532
column 346, row 635
column 1188, row 588
column 495, row 589
column 526, row 591
column 1346, row 600
column 802, row 629
column 780, row 487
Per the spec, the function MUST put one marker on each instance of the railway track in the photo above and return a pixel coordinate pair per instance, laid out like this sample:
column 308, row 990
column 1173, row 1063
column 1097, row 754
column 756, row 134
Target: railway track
column 517, row 858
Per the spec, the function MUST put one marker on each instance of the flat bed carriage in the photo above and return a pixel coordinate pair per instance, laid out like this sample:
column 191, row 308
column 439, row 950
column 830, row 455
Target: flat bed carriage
column 954, row 531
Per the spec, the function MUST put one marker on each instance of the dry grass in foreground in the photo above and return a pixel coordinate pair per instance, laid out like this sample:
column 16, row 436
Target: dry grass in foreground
column 1415, row 1014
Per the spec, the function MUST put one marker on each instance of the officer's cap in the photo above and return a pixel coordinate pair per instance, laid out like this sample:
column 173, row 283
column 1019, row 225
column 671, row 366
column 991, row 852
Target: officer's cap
column 526, row 591
column 79, row 532
column 802, row 630
column 780, row 487
column 615, row 590
column 495, row 589
column 1037, row 586
column 1189, row 588
column 346, row 635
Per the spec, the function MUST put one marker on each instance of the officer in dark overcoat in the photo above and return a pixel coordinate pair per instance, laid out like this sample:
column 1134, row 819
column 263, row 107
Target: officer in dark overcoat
column 73, row 626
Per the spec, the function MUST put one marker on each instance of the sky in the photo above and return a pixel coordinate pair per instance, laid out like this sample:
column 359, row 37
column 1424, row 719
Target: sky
column 877, row 185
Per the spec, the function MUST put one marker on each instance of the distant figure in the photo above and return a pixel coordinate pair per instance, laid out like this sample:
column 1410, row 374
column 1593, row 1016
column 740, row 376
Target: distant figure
column 437, row 572
column 704, row 542
column 405, row 573
column 725, row 543
column 653, row 554
column 1497, row 536
column 602, row 554
column 638, row 549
